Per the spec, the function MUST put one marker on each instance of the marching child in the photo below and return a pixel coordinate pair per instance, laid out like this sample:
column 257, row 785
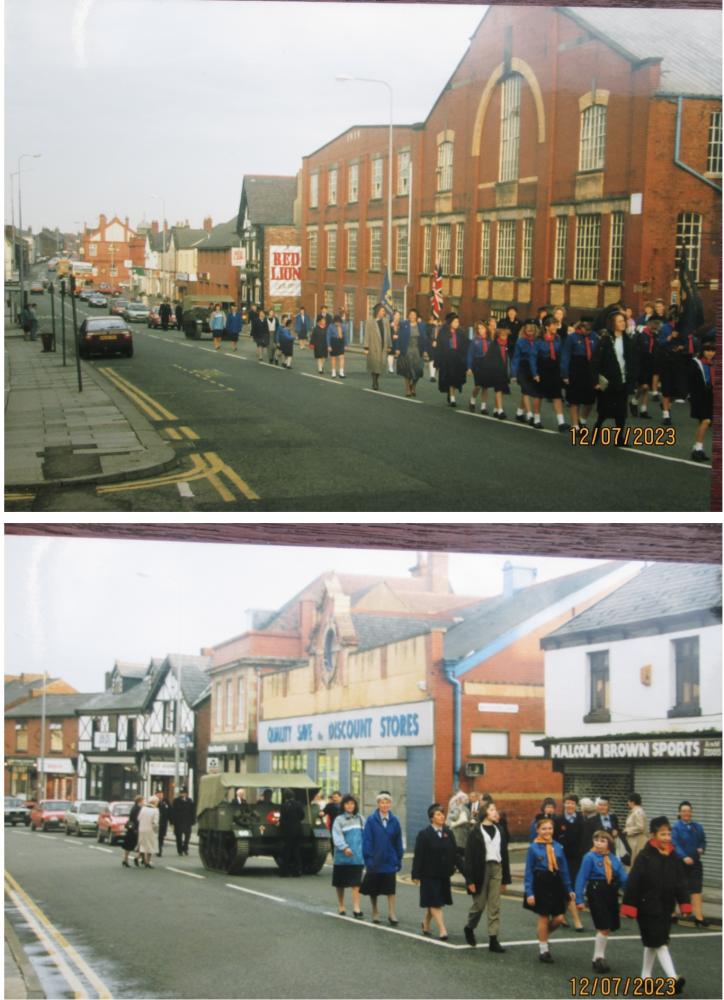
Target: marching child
column 336, row 340
column 600, row 877
column 521, row 371
column 645, row 352
column 318, row 341
column 496, row 371
column 547, row 884
column 577, row 373
column 477, row 351
column 545, row 366
column 286, row 342
column 701, row 393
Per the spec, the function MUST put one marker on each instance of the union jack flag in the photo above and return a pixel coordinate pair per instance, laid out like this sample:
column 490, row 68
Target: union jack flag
column 436, row 293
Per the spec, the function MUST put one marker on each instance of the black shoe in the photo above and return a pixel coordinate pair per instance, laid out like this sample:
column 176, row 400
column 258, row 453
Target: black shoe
column 679, row 986
column 666, row 421
column 125, row 864
column 469, row 935
column 357, row 914
column 538, row 425
column 599, row 965
column 483, row 411
column 422, row 928
column 545, row 957
column 135, row 861
column 433, row 379
column 390, row 921
column 496, row 946
column 644, row 415
column 699, row 456
column 633, row 409
column 699, row 923
column 443, row 937
column 562, row 428
column 521, row 418
column 471, row 407
column 502, row 416
column 158, row 854
column 530, row 421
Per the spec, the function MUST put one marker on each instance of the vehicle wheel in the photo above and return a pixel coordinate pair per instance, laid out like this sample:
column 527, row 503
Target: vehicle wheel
column 45, row 827
column 67, row 830
column 12, row 822
column 315, row 858
column 238, row 856
column 204, row 849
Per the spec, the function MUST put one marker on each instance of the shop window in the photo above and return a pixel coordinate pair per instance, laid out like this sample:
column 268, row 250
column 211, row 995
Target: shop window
column 328, row 771
column 291, row 762
column 355, row 783
column 489, row 744
column 686, row 667
column 598, row 673
column 21, row 736
column 56, row 737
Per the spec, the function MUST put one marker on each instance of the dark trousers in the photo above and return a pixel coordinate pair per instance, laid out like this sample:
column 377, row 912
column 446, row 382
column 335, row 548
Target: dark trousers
column 182, row 839
column 612, row 405
column 292, row 856
column 164, row 323
column 161, row 837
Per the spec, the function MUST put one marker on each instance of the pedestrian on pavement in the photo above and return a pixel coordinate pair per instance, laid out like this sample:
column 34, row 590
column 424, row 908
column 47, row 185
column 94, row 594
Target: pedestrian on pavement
column 635, row 827
column 701, row 393
column 179, row 316
column 347, row 832
column 382, row 849
column 336, row 340
column 259, row 332
column 183, row 817
column 164, row 815
column 411, row 351
column 33, row 321
column 394, row 334
column 570, row 836
column 130, row 839
column 332, row 809
column 273, row 326
column 164, row 313
column 377, row 342
column 318, row 341
column 458, row 819
column 474, row 808
column 233, row 326
column 217, row 325
column 487, row 874
column 655, row 884
column 286, row 342
column 547, row 884
column 547, row 811
column 302, row 326
column 599, row 879
column 432, row 866
column 451, row 359
column 291, row 816
column 689, row 844
column 148, row 830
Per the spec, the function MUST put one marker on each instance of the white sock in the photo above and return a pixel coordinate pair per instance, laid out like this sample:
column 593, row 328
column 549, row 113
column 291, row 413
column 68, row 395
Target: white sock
column 536, row 418
column 698, row 446
column 483, row 407
column 583, row 423
column 664, row 956
column 599, row 948
column 452, row 398
column 529, row 414
column 341, row 371
column 665, row 413
column 648, row 966
column 543, row 947
column 472, row 400
column 560, row 418
column 643, row 409
column 519, row 412
column 432, row 369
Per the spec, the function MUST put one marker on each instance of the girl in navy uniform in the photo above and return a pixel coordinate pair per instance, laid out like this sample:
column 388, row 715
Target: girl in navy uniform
column 336, row 340
column 496, row 372
column 521, row 371
column 600, row 877
column 676, row 351
column 318, row 341
column 547, row 885
column 451, row 357
column 576, row 358
column 644, row 343
column 690, row 843
column 701, row 393
column 545, row 366
column 394, row 333
column 432, row 866
column 655, row 883
column 477, row 351
column 286, row 342
column 512, row 324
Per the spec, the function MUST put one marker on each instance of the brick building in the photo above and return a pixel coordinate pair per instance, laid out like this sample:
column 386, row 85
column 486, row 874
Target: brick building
column 571, row 158
column 216, row 274
column 109, row 247
column 266, row 223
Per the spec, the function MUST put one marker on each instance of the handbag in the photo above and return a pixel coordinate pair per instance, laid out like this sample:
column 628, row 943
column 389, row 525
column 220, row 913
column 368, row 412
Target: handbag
column 603, row 382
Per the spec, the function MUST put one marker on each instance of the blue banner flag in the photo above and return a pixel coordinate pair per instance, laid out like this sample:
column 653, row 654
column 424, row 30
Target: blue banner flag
column 386, row 296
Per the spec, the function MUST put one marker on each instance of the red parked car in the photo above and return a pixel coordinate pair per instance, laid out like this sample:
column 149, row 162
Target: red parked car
column 49, row 814
column 112, row 822
column 154, row 320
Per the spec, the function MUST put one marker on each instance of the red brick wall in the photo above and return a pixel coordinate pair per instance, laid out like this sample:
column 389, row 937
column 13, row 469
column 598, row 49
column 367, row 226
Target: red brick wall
column 223, row 280
column 70, row 746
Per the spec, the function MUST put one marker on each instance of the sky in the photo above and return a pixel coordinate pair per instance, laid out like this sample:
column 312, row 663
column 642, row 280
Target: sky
column 126, row 99
column 74, row 606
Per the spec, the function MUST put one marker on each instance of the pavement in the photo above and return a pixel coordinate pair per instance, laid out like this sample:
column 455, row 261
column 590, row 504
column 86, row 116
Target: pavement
column 57, row 435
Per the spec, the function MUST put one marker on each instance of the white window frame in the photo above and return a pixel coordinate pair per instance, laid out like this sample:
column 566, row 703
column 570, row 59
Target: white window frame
column 444, row 241
column 332, row 186
column 592, row 148
column 371, row 302
column 526, row 253
column 495, row 743
column 505, row 248
column 313, row 248
column 485, row 228
column 615, row 249
column 401, row 249
column 509, row 128
column 459, row 248
column 713, row 152
column 92, row 249
column 229, row 703
column 352, row 248
column 427, row 248
column 377, row 183
column 561, row 248
column 314, row 190
column 403, row 172
column 445, row 166
column 689, row 225
column 352, row 183
column 375, row 248
column 241, row 702
column 331, row 249
column 219, row 714
column 349, row 300
column 587, row 261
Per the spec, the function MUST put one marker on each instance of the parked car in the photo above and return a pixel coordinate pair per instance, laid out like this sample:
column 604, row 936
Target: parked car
column 154, row 320
column 112, row 822
column 16, row 811
column 105, row 289
column 136, row 312
column 105, row 335
column 49, row 814
column 97, row 300
column 117, row 307
column 85, row 293
column 82, row 817
column 36, row 288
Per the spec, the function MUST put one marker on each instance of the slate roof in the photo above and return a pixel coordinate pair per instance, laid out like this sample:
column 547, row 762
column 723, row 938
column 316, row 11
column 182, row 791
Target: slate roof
column 487, row 621
column 155, row 241
column 270, row 200
column 135, row 699
column 184, row 238
column 222, row 237
column 22, row 689
column 56, row 705
column 126, row 668
column 688, row 42
column 193, row 674
column 380, row 630
column 660, row 594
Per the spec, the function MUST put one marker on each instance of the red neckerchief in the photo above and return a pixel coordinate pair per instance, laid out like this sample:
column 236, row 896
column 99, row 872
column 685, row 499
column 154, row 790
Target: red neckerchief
column 650, row 335
column 550, row 339
column 503, row 351
column 710, row 366
column 587, row 343
column 454, row 339
column 485, row 342
column 668, row 849
column 691, row 344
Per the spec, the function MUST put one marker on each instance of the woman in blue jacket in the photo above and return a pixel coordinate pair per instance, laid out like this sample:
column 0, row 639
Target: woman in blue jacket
column 547, row 884
column 690, row 843
column 347, row 832
column 382, row 849
column 411, row 351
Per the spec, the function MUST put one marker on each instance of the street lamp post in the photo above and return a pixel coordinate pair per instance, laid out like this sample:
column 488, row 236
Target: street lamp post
column 32, row 156
column 163, row 231
column 384, row 83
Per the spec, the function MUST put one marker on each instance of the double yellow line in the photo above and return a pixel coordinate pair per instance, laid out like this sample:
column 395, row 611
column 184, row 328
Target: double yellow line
column 207, row 466
column 143, row 401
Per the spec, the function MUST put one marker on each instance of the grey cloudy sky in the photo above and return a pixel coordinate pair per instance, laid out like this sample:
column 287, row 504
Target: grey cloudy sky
column 181, row 98
column 73, row 606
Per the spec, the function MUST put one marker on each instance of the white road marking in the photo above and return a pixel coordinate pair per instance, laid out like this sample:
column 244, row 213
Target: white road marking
column 510, row 422
column 665, row 458
column 323, row 378
column 254, row 892
column 180, row 871
column 578, row 940
column 46, row 836
column 72, row 843
column 267, row 365
column 211, row 350
column 106, row 850
column 390, row 395
column 395, row 930
column 185, row 490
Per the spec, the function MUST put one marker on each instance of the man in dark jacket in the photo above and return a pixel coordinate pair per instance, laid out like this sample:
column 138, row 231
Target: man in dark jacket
column 183, row 817
column 164, row 815
column 291, row 815
column 487, row 873
column 603, row 820
column 164, row 313
column 179, row 316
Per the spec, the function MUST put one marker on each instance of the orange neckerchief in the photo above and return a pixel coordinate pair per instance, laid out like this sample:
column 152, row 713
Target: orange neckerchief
column 662, row 850
column 552, row 863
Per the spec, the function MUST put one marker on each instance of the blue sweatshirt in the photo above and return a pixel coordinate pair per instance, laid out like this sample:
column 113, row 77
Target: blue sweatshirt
column 537, row 860
column 574, row 346
column 334, row 334
column 593, row 869
column 522, row 354
column 686, row 837
column 347, row 832
column 479, row 347
column 541, row 352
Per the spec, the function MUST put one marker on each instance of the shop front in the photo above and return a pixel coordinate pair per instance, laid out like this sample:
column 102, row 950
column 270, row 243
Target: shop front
column 59, row 777
column 362, row 751
column 114, row 778
column 231, row 756
column 20, row 776
column 160, row 775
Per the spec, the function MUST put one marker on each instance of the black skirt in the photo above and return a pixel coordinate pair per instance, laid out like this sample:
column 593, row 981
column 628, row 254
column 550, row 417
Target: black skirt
column 452, row 371
column 346, row 876
column 435, row 892
column 645, row 369
column 525, row 380
column 130, row 839
column 550, row 378
column 550, row 894
column 287, row 348
column 580, row 383
column 375, row 884
column 602, row 900
column 336, row 346
column 694, row 875
column 702, row 408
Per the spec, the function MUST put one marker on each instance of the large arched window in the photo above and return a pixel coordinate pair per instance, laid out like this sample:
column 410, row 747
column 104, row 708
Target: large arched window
column 593, row 137
column 509, row 128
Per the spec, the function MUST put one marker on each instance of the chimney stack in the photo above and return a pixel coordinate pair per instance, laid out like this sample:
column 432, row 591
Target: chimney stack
column 208, row 224
column 516, row 578
column 154, row 227
column 437, row 573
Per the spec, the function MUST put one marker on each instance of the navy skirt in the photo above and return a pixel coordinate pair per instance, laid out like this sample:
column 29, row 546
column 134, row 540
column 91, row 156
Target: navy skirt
column 435, row 892
column 550, row 895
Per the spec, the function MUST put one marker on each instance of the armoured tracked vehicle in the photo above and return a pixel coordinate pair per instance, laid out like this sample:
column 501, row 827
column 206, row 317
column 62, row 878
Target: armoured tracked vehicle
column 230, row 834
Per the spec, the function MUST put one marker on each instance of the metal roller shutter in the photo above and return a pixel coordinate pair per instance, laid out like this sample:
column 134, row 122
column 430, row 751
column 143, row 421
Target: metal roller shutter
column 663, row 786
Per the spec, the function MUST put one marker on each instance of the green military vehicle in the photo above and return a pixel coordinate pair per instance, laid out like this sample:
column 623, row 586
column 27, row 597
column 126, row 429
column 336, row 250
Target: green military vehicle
column 196, row 312
column 229, row 834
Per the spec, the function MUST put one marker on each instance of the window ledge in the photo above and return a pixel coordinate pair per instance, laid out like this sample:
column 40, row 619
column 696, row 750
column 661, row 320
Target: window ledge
column 683, row 711
column 598, row 715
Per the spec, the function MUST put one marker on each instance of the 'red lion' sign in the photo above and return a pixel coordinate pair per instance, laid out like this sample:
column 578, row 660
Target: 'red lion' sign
column 285, row 265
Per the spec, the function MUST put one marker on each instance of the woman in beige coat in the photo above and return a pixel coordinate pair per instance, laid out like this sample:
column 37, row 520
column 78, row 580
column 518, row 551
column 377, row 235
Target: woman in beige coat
column 148, row 831
column 377, row 343
column 636, row 827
